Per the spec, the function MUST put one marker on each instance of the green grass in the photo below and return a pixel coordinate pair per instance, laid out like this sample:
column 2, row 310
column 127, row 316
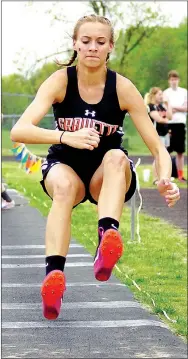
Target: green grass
column 132, row 142
column 136, row 145
column 157, row 264
column 7, row 145
column 149, row 184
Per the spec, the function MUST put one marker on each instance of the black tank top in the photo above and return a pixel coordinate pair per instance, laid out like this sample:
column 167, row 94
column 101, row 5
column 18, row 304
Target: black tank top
column 73, row 113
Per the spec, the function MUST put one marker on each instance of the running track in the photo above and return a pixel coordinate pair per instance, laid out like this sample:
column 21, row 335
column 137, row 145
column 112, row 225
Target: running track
column 99, row 320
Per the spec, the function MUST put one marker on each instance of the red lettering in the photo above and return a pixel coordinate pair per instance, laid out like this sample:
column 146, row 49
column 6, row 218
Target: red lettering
column 92, row 123
column 101, row 128
column 68, row 124
column 76, row 123
column 114, row 128
column 109, row 129
column 61, row 123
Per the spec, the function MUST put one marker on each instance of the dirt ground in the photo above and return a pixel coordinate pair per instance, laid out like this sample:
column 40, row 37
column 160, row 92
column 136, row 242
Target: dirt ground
column 146, row 160
column 154, row 205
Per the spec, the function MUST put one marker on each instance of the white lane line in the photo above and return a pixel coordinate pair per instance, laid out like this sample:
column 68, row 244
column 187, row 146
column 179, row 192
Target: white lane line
column 43, row 256
column 42, row 265
column 84, row 324
column 74, row 305
column 36, row 246
column 76, row 284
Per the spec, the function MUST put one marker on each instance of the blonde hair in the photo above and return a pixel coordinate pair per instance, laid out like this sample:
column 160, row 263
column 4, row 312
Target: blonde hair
column 148, row 98
column 83, row 20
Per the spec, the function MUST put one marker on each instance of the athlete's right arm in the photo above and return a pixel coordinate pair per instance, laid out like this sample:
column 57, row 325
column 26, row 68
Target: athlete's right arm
column 26, row 130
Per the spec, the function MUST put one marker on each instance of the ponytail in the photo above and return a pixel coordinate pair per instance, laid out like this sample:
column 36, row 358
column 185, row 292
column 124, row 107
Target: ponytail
column 108, row 56
column 72, row 59
column 147, row 98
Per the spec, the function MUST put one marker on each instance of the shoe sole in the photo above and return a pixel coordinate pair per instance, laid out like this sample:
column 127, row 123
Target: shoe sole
column 8, row 206
column 52, row 290
column 110, row 249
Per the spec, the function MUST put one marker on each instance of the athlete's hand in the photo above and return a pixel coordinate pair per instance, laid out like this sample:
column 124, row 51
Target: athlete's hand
column 169, row 190
column 86, row 138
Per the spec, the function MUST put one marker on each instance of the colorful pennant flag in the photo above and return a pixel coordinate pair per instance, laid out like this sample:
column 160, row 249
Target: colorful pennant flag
column 19, row 154
column 25, row 158
column 36, row 166
column 17, row 144
column 28, row 161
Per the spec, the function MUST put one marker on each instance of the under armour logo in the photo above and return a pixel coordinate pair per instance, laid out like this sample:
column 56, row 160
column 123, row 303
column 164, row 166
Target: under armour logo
column 92, row 113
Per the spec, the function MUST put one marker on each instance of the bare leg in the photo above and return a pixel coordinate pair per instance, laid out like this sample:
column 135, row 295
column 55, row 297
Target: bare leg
column 67, row 190
column 110, row 184
column 180, row 161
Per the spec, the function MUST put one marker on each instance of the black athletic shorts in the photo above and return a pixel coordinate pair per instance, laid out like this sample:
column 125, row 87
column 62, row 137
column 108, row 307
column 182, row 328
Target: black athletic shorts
column 84, row 163
column 177, row 137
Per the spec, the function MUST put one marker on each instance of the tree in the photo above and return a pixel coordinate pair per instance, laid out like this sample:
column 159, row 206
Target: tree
column 141, row 21
column 150, row 62
column 108, row 9
column 40, row 75
column 11, row 103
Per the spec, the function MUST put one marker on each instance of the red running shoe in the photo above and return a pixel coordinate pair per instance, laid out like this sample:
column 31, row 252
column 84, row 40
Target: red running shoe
column 182, row 179
column 52, row 290
column 108, row 253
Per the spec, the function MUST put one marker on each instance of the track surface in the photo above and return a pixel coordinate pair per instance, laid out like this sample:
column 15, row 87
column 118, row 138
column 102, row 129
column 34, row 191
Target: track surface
column 155, row 205
column 98, row 320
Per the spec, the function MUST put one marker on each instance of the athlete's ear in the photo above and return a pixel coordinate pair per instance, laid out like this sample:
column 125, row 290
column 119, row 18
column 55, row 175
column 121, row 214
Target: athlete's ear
column 111, row 47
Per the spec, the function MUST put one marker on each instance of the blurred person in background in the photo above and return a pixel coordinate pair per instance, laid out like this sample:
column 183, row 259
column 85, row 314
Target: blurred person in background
column 6, row 201
column 160, row 113
column 177, row 98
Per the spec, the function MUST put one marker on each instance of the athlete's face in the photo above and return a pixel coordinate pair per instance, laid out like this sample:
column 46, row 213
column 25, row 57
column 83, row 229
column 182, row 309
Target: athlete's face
column 93, row 44
column 173, row 82
column 159, row 97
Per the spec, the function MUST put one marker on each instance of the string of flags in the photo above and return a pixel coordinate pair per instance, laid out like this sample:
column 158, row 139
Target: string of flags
column 28, row 161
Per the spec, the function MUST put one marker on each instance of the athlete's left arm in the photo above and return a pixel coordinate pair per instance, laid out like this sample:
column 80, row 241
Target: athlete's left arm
column 131, row 100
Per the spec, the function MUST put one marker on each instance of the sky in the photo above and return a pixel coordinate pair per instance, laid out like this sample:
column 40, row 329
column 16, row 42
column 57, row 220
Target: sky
column 27, row 32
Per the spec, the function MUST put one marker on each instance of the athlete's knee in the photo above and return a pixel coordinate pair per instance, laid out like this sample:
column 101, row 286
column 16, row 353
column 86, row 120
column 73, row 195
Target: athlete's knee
column 64, row 189
column 115, row 159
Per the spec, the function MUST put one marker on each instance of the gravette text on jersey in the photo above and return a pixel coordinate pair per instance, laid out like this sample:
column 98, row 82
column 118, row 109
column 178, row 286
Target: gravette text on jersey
column 76, row 123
